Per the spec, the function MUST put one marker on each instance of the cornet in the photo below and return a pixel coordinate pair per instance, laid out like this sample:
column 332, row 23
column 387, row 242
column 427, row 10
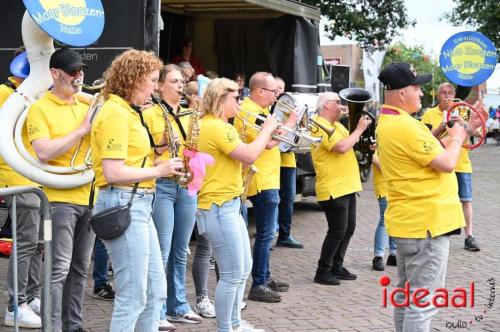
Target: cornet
column 258, row 128
column 95, row 105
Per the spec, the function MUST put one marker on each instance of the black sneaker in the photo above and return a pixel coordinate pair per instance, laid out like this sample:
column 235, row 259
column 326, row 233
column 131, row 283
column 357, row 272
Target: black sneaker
column 278, row 286
column 105, row 293
column 471, row 244
column 378, row 263
column 392, row 260
column 326, row 278
column 343, row 274
column 263, row 293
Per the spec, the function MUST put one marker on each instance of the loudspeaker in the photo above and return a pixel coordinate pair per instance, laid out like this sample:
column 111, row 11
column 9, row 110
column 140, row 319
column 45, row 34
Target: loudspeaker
column 339, row 77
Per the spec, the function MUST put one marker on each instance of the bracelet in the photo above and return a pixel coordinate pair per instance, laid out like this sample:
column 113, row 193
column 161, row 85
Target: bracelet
column 156, row 153
column 459, row 141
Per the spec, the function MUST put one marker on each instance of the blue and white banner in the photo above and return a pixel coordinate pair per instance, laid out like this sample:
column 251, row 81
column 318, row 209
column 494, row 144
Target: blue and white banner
column 468, row 58
column 72, row 22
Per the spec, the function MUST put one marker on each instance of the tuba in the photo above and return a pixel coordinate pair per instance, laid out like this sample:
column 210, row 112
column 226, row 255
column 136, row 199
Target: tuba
column 39, row 47
column 356, row 100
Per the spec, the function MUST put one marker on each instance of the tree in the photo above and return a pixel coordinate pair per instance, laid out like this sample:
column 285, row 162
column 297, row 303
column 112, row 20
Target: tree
column 423, row 63
column 372, row 23
column 482, row 14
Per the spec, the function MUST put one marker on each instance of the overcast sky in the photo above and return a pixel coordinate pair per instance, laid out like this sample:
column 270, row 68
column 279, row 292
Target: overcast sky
column 429, row 32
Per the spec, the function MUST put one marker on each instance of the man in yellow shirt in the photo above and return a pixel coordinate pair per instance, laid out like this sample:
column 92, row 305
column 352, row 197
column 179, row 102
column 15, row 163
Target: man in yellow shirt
column 337, row 182
column 287, row 192
column 56, row 123
column 434, row 119
column 29, row 251
column 424, row 208
column 263, row 190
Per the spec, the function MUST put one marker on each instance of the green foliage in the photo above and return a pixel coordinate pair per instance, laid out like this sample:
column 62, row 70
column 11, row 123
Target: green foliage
column 372, row 23
column 482, row 14
column 423, row 63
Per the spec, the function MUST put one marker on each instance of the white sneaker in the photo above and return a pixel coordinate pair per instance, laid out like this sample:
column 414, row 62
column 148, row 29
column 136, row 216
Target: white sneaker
column 243, row 305
column 35, row 305
column 25, row 317
column 165, row 325
column 205, row 307
column 247, row 327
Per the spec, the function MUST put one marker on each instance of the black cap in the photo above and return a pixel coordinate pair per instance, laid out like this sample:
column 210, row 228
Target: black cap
column 67, row 60
column 400, row 75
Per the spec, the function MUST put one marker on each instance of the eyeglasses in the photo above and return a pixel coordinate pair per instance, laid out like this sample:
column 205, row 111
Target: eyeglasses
column 273, row 91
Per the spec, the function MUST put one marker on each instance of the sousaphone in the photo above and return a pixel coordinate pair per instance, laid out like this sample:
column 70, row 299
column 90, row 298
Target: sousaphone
column 74, row 23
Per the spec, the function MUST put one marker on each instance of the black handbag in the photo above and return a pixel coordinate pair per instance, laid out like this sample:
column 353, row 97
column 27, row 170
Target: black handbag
column 112, row 222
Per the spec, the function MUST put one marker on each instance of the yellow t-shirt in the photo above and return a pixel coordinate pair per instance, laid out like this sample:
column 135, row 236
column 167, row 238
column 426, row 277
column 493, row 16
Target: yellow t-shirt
column 268, row 163
column 50, row 117
column 223, row 181
column 337, row 174
column 155, row 121
column 9, row 177
column 288, row 159
column 434, row 117
column 117, row 133
column 421, row 199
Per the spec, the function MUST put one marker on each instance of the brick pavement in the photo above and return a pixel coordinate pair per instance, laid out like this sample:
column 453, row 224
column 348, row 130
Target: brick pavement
column 356, row 305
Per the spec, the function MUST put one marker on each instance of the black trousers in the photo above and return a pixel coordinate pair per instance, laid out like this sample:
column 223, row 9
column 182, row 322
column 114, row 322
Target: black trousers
column 341, row 216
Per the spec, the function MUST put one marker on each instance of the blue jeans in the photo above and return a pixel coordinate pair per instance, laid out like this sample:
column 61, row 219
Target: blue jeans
column 174, row 216
column 287, row 197
column 265, row 207
column 101, row 264
column 227, row 233
column 423, row 263
column 140, row 282
column 381, row 235
column 464, row 186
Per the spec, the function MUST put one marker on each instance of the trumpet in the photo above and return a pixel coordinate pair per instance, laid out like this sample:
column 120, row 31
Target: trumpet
column 95, row 105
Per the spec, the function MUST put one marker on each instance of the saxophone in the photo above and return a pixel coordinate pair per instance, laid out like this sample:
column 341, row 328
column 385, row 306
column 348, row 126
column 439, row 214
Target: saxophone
column 192, row 135
column 247, row 171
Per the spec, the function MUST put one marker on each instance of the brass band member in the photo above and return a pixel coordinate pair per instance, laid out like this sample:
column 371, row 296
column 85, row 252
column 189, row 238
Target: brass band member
column 56, row 123
column 337, row 182
column 29, row 251
column 434, row 118
column 287, row 192
column 424, row 208
column 174, row 208
column 121, row 154
column 219, row 218
column 263, row 190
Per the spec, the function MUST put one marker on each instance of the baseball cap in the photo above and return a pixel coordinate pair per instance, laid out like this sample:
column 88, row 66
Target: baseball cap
column 399, row 75
column 67, row 60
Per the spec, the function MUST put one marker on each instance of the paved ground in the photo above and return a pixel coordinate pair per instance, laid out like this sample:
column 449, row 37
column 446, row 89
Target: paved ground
column 357, row 305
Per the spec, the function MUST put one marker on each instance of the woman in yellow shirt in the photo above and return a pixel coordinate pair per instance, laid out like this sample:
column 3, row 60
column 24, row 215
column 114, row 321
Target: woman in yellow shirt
column 174, row 208
column 121, row 157
column 219, row 218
